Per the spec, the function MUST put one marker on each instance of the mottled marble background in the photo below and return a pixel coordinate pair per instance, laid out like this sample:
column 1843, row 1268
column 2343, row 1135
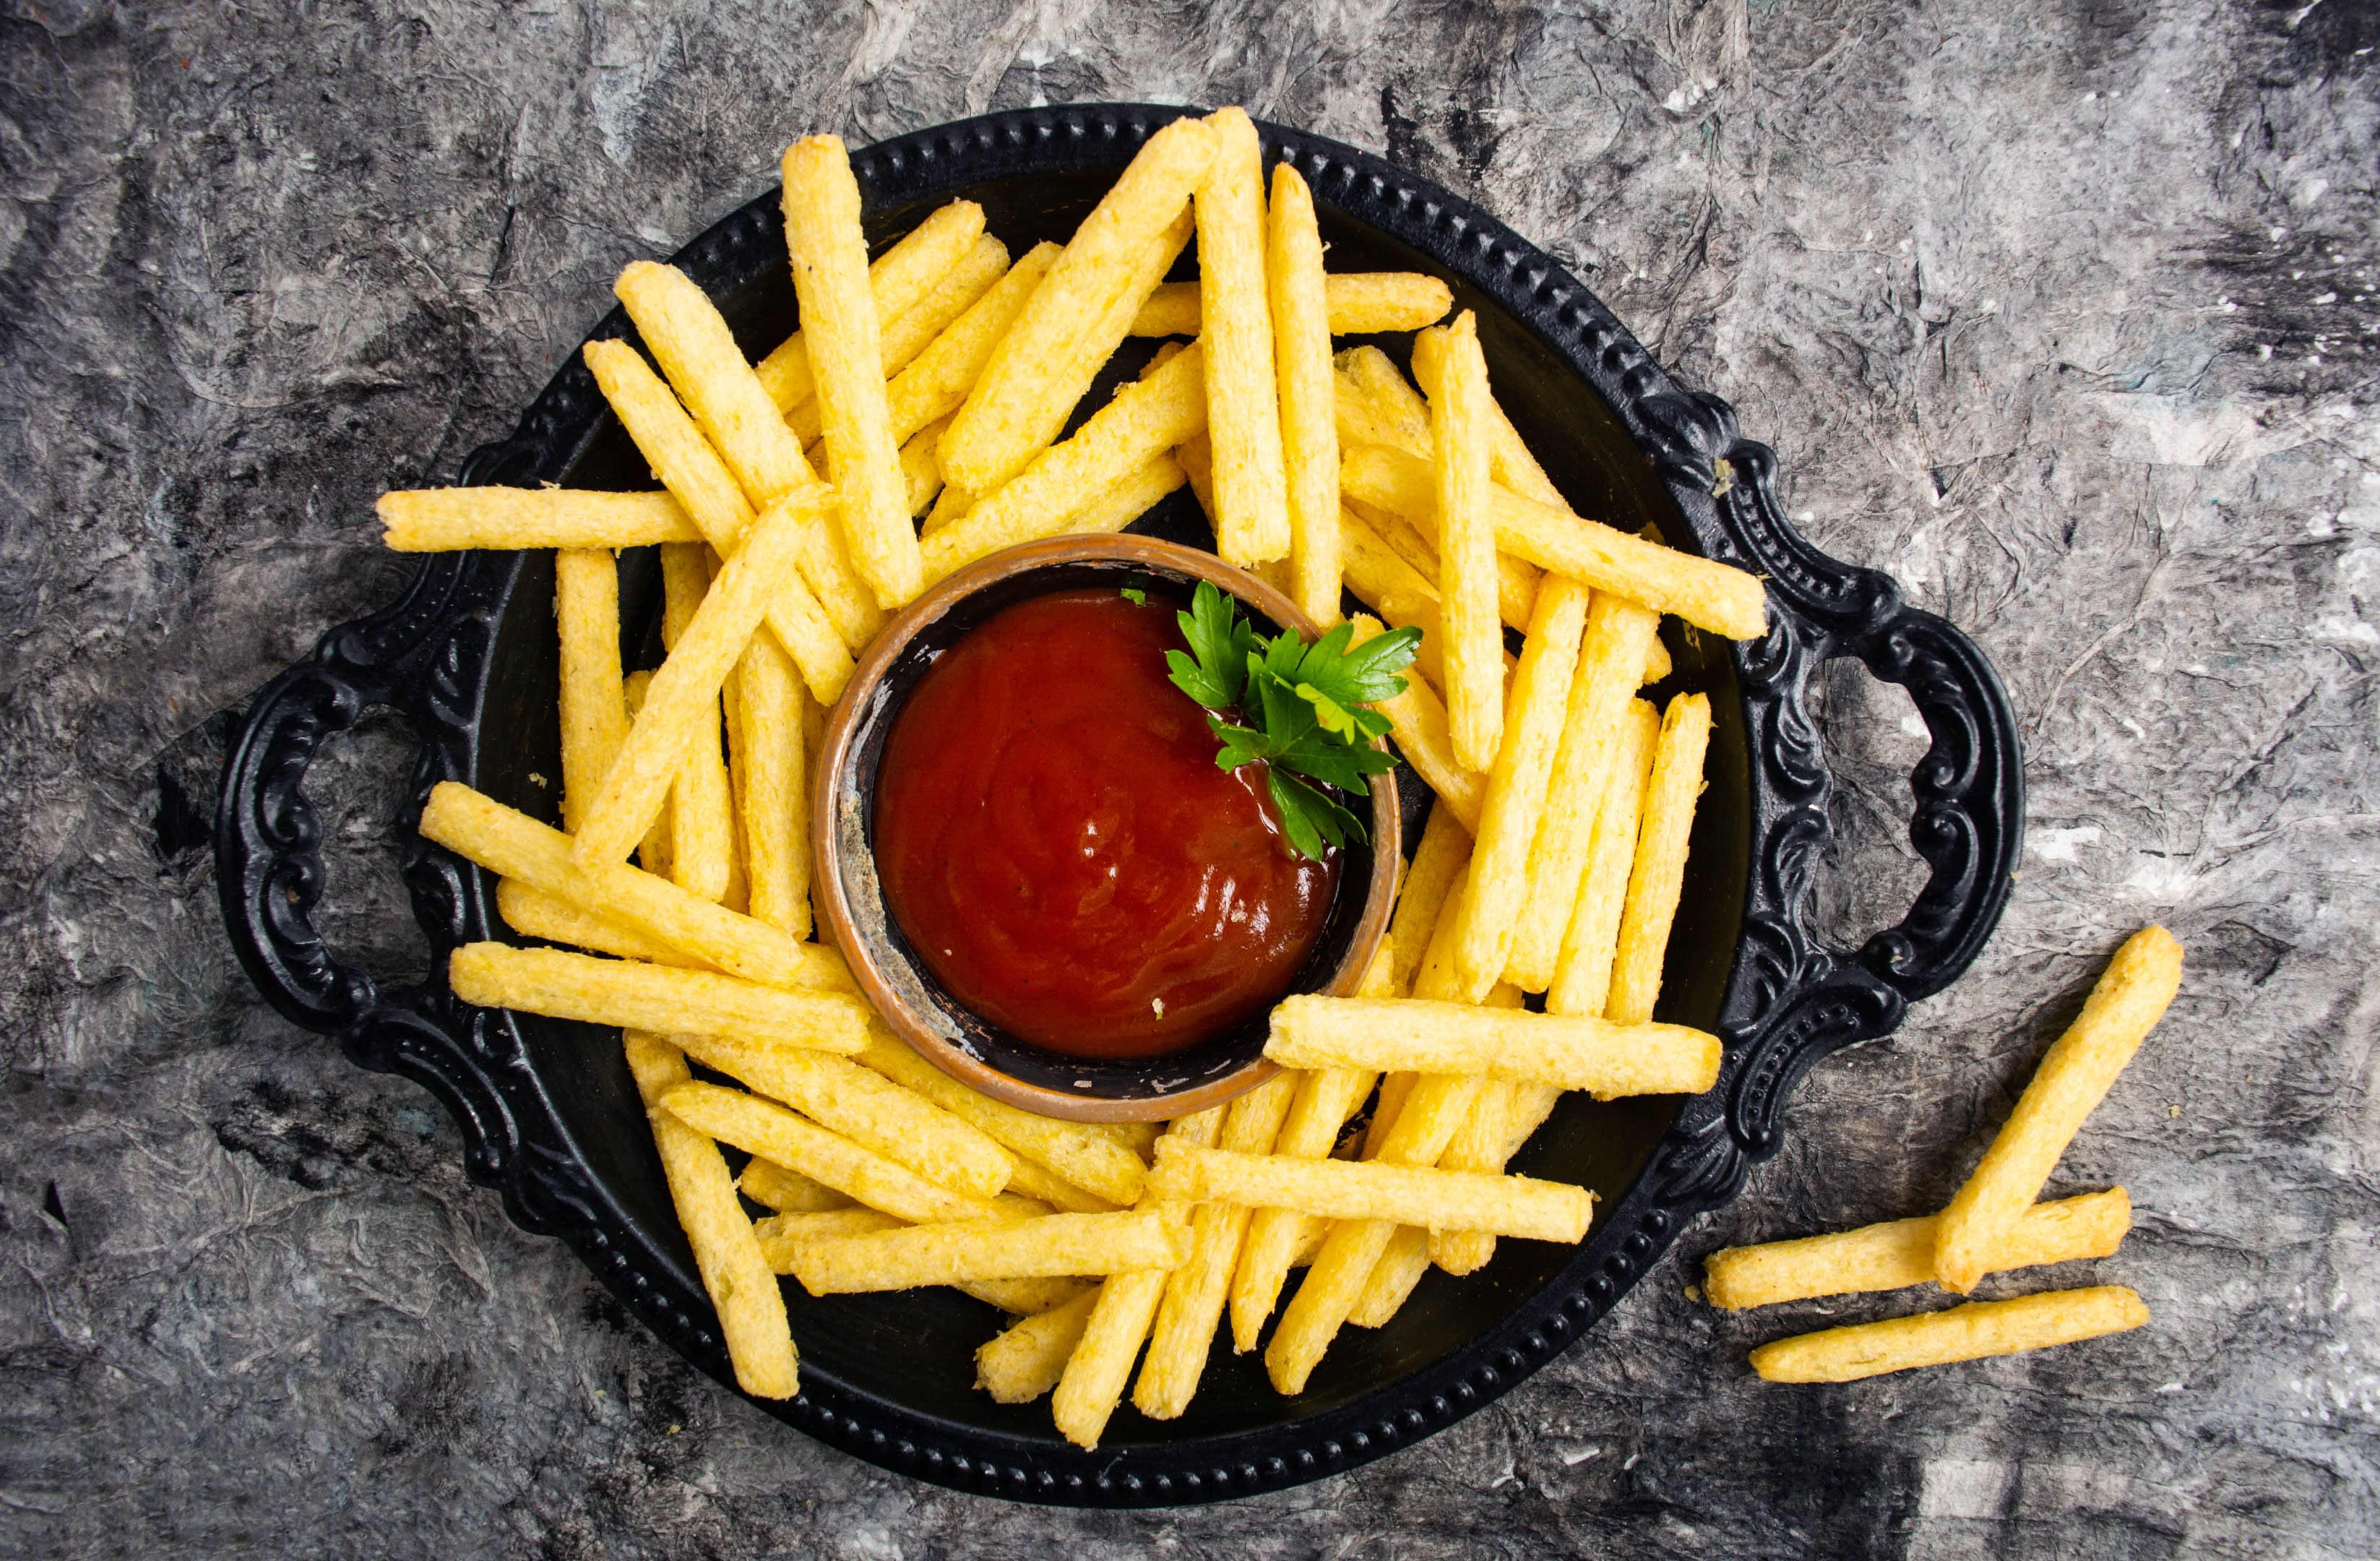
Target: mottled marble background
column 2063, row 312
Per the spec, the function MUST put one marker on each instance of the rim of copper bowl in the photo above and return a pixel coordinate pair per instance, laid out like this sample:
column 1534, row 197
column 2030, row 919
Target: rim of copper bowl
column 834, row 906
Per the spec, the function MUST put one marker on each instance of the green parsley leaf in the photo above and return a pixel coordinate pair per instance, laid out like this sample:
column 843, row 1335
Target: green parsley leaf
column 1213, row 626
column 1137, row 598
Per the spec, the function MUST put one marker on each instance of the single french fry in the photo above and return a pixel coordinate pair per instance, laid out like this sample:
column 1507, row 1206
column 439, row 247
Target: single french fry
column 787, row 1192
column 936, row 382
column 1440, row 865
column 660, row 998
column 1309, row 435
column 1509, row 458
column 501, row 520
column 539, row 915
column 1143, row 420
column 1659, row 875
column 1026, row 1179
column 769, row 1129
column 782, row 1235
column 1027, row 1298
column 594, row 714
column 921, row 473
column 830, row 257
column 1025, row 1361
column 864, row 1107
column 957, row 1252
column 1606, row 1059
column 1466, row 586
column 1376, row 405
column 1243, row 407
column 1419, row 729
column 1399, row 1268
column 1899, row 1253
column 700, row 807
column 1971, row 1332
column 1087, row 1158
column 1375, row 573
column 898, row 281
column 1360, row 303
column 1048, row 357
column 903, row 340
column 700, row 481
column 774, row 799
column 726, row 1253
column 1374, row 1189
column 2073, row 1078
column 1582, row 980
column 1496, row 889
column 1609, row 664
column 1478, row 1145
column 654, row 852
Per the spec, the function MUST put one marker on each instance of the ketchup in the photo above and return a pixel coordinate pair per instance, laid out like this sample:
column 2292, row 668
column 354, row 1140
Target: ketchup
column 1060, row 851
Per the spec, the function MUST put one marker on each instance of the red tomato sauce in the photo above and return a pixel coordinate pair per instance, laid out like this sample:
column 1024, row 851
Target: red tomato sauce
column 1057, row 847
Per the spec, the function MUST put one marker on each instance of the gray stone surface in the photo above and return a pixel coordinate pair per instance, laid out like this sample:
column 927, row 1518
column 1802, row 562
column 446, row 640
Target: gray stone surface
column 2063, row 314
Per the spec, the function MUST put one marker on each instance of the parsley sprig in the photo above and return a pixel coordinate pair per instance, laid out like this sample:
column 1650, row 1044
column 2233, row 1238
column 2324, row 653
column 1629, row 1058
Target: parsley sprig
column 1309, row 705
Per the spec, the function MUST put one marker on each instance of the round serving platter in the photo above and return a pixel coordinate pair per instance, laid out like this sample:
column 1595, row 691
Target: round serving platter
column 550, row 1119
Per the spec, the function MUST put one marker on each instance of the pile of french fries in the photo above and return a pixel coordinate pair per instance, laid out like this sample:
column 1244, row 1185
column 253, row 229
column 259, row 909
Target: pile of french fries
column 1994, row 1225
column 917, row 422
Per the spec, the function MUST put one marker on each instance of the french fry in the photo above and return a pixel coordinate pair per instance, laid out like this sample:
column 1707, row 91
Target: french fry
column 1374, row 1189
column 902, row 340
column 769, row 1129
column 1478, row 1145
column 1146, row 419
column 921, row 473
column 1243, row 408
column 700, row 809
column 1025, row 1361
column 654, row 852
column 898, row 281
column 700, row 481
column 1899, row 1253
column 1604, row 1057
column 1310, row 436
column 501, row 520
column 830, row 257
column 1466, row 586
column 1420, row 733
column 1496, row 889
column 1375, row 573
column 1440, row 865
column 1717, row 597
column 1659, row 875
column 864, row 1107
column 539, row 915
column 1376, row 405
column 1027, row 1298
column 1029, row 1181
column 1582, row 981
column 1360, row 303
column 1400, row 1265
column 782, row 1235
column 659, row 998
column 1139, row 1137
column 594, row 717
column 1509, row 458
column 1971, row 1332
column 1078, row 1154
column 513, row 845
column 734, row 1272
column 787, row 1192
column 774, row 798
column 957, row 1251
column 1047, row 360
column 2073, row 1078
column 936, row 382
column 1609, row 664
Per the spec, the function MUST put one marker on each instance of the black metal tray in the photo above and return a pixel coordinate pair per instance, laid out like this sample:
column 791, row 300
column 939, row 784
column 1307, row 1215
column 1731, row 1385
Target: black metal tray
column 548, row 1112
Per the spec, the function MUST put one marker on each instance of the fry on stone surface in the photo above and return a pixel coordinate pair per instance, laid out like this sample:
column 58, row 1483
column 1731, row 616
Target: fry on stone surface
column 1899, row 1253
column 503, row 519
column 1963, row 1333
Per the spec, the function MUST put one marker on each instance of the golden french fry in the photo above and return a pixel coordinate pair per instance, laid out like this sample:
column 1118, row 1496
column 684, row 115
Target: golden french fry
column 1509, row 458
column 898, row 281
column 1420, row 733
column 1139, row 1137
column 1242, row 409
column 1398, row 1269
column 1609, row 664
column 501, row 520
column 830, row 256
column 902, row 339
column 1047, row 360
column 936, row 382
column 594, row 714
column 1088, row 1159
column 1496, row 889
column 1659, row 875
column 1971, row 1332
column 787, row 1192
column 681, row 705
column 693, row 472
column 1196, row 458
column 1604, row 1057
column 2073, row 1078
column 1117, row 505
column 1466, row 586
column 700, row 809
column 539, row 915
column 1146, row 419
column 660, row 998
column 782, row 1235
column 1374, row 1189
column 1027, row 1298
column 1324, row 1099
column 1333, row 1283
column 1309, row 435
column 1582, row 980
column 1899, row 1253
column 654, row 853
column 750, row 1305
column 774, row 798
column 1440, row 865
column 1478, row 1145
column 1025, row 1361
column 864, row 1107
column 1359, row 303
column 1374, row 572
column 921, row 473
column 512, row 845
column 1376, row 405
column 954, row 1252
column 1026, row 1179
column 769, row 1131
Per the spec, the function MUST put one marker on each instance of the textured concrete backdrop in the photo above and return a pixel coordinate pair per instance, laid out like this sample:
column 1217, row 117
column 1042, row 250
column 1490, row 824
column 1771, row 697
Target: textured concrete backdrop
column 2063, row 312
